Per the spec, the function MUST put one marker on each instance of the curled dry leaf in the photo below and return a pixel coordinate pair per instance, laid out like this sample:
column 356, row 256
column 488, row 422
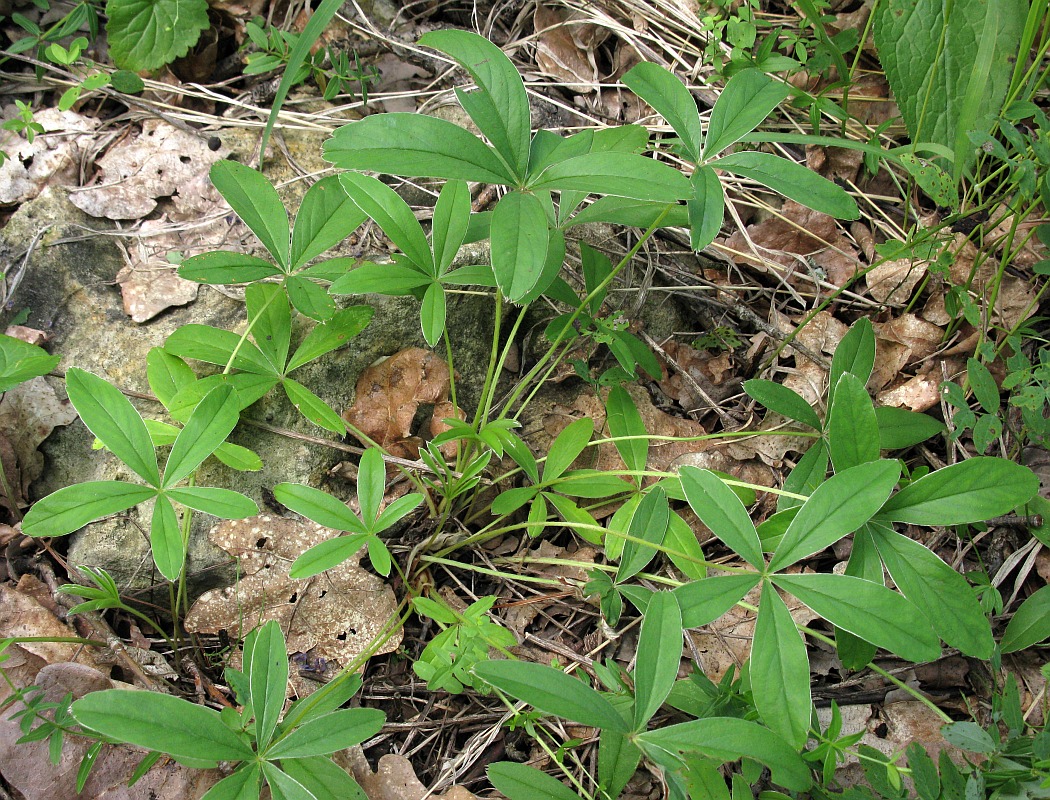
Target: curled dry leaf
column 560, row 50
column 713, row 372
column 395, row 779
column 28, row 414
column 804, row 242
column 892, row 282
column 902, row 342
column 389, row 394
column 52, row 157
column 29, row 335
column 136, row 172
column 330, row 618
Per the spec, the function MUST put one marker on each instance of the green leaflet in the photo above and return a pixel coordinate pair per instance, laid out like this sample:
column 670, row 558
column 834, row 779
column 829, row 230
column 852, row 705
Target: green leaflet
column 73, row 507
column 326, row 217
column 521, row 782
column 519, row 243
column 706, row 208
column 624, row 420
column 721, row 510
column 780, row 670
column 1030, row 623
column 746, row 101
column 852, row 427
column 256, row 202
column 664, row 92
column 20, row 361
column 328, row 733
column 658, row 656
column 792, row 180
column 618, row 174
column 268, row 679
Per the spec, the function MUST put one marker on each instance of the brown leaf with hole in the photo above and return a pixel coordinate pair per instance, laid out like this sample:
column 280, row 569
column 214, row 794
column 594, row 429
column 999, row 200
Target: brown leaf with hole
column 139, row 170
column 52, row 157
column 389, row 394
column 331, row 618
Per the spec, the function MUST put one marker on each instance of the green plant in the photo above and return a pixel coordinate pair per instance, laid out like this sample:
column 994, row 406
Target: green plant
column 330, row 69
column 289, row 754
column 111, row 417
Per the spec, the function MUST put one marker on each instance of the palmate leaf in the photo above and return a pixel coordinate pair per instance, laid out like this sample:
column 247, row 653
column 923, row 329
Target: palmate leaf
column 188, row 730
column 110, row 416
column 147, row 34
column 499, row 107
column 553, row 692
column 73, row 507
column 415, row 146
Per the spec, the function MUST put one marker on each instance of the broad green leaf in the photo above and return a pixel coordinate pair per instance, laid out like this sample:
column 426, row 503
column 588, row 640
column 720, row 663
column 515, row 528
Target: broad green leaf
column 325, row 217
column 147, row 34
column 721, row 510
column 521, row 782
column 334, row 731
column 855, row 354
column 807, row 475
column 499, row 107
column 519, row 243
column 852, row 429
column 392, row 214
column 900, row 428
column 432, row 314
column 779, row 398
column 705, row 601
column 864, row 562
column 329, row 553
column 449, row 226
column 941, row 594
column 618, row 174
column 243, row 784
column 313, row 407
column 658, row 87
column 268, row 680
column 868, row 610
column 839, row 506
column 969, row 736
column 220, row 266
column 371, row 484
column 397, row 510
column 552, row 264
column 329, row 269
column 271, row 321
column 633, row 213
column 983, row 385
column 249, row 386
column 21, row 361
column 167, row 374
column 73, row 507
column 792, row 180
column 553, row 692
column 580, row 521
column 567, row 447
column 309, row 299
column 221, row 503
column 208, row 426
column 344, row 325
column 746, row 101
column 970, row 491
column 253, row 197
column 216, row 346
column 659, row 656
column 1030, row 624
column 318, row 506
column 415, row 146
column 389, row 279
column 470, row 275
column 730, row 739
column 949, row 65
column 511, row 500
column 110, row 416
column 549, row 148
column 648, row 524
column 161, row 433
column 591, row 483
column 624, row 420
column 780, row 670
column 188, row 730
column 323, row 778
column 706, row 208
column 165, row 538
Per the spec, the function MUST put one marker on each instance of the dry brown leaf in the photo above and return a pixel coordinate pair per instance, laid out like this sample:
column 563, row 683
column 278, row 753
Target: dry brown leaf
column 395, row 779
column 160, row 162
column 901, row 343
column 330, row 618
column 834, row 162
column 53, row 156
column 802, row 241
column 559, row 54
column 892, row 282
column 389, row 394
column 712, row 372
column 518, row 616
column 28, row 414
